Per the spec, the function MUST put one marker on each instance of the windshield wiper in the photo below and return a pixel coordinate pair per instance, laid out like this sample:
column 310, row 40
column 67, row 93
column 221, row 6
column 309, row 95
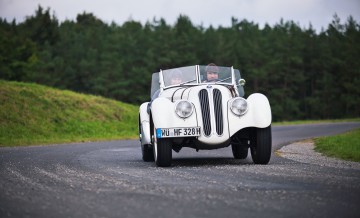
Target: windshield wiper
column 223, row 80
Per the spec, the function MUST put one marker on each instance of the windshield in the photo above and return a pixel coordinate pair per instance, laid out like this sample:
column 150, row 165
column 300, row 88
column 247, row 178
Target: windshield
column 215, row 74
column 192, row 75
column 179, row 76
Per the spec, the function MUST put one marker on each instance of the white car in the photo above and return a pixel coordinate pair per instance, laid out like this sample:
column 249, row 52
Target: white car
column 203, row 107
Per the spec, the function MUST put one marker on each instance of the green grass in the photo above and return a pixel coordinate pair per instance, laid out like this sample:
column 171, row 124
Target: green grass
column 33, row 114
column 344, row 146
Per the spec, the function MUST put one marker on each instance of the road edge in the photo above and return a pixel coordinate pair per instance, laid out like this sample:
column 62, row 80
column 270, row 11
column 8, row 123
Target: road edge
column 303, row 151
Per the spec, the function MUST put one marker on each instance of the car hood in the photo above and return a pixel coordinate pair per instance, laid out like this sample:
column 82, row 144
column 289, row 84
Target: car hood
column 191, row 92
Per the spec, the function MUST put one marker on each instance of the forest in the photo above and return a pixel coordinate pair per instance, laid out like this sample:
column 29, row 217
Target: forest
column 305, row 74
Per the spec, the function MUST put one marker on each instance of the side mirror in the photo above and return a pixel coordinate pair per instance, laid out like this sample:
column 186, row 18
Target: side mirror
column 242, row 82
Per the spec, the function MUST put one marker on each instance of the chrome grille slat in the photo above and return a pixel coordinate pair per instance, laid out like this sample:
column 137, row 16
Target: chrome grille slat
column 205, row 111
column 218, row 111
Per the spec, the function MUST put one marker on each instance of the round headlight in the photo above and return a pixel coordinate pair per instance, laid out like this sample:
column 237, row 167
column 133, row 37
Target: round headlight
column 239, row 106
column 183, row 109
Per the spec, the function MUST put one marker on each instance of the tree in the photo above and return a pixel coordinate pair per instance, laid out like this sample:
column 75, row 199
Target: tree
column 17, row 53
column 41, row 28
column 306, row 75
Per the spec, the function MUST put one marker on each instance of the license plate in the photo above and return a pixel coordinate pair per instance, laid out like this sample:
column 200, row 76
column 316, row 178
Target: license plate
column 177, row 132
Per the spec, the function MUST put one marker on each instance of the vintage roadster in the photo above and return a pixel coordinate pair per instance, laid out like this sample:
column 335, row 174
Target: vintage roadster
column 202, row 107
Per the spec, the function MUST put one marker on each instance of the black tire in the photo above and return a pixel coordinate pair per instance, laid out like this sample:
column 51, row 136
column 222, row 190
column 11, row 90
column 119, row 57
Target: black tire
column 260, row 145
column 146, row 150
column 147, row 153
column 163, row 152
column 239, row 152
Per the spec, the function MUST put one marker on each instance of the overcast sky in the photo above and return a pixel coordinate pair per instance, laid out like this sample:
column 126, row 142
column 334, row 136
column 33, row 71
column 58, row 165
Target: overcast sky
column 201, row 12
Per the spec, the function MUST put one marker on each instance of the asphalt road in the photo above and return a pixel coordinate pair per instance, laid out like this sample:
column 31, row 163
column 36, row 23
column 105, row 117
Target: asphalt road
column 109, row 179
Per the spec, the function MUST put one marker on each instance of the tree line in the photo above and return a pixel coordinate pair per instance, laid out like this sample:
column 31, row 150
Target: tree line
column 305, row 74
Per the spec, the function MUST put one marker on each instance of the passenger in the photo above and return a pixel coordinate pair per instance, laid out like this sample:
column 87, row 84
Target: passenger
column 176, row 77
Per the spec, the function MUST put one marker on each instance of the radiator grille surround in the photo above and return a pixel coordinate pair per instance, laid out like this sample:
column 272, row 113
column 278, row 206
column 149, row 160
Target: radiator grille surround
column 206, row 112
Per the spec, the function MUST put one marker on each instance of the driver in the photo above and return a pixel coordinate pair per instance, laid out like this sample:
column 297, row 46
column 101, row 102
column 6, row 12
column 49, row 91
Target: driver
column 212, row 73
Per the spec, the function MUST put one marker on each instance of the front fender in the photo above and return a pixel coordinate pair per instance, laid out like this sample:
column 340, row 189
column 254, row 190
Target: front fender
column 164, row 116
column 258, row 114
column 144, row 122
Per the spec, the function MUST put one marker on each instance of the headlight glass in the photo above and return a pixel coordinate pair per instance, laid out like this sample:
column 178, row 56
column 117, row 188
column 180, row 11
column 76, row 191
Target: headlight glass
column 239, row 106
column 183, row 109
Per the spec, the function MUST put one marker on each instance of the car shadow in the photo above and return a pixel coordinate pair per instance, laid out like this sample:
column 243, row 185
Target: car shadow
column 208, row 161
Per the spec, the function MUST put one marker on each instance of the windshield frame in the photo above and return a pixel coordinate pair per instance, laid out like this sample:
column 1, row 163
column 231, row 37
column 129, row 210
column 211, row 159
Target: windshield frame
column 197, row 79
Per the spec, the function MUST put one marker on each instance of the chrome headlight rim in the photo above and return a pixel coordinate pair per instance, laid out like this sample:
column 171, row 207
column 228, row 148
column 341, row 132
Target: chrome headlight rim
column 234, row 110
column 186, row 102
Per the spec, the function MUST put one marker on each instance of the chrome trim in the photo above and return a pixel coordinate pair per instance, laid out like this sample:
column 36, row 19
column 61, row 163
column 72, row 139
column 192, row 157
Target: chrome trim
column 234, row 81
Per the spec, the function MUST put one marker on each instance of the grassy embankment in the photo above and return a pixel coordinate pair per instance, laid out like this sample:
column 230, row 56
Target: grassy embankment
column 34, row 114
column 344, row 146
column 299, row 122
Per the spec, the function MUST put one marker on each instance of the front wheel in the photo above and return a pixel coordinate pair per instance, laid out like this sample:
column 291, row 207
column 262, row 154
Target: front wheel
column 261, row 145
column 162, row 151
column 239, row 152
column 147, row 153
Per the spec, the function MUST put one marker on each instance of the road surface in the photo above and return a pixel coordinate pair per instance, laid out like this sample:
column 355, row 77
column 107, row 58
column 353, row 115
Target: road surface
column 109, row 179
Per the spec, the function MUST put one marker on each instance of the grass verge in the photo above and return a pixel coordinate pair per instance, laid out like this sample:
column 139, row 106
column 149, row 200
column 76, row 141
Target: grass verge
column 298, row 122
column 344, row 146
column 34, row 114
